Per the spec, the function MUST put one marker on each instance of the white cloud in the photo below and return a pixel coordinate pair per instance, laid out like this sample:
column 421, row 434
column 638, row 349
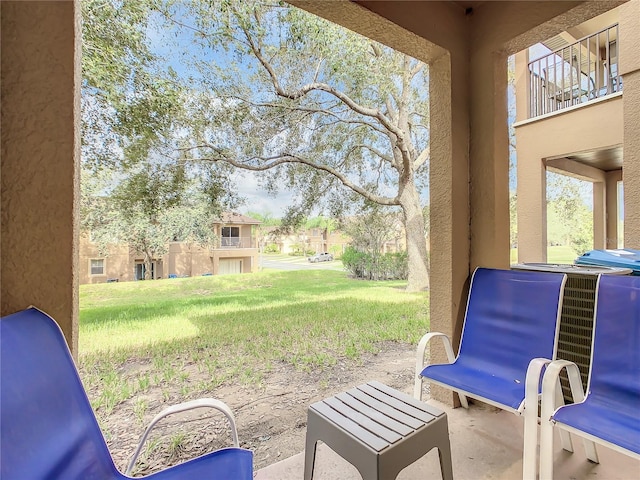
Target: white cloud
column 257, row 200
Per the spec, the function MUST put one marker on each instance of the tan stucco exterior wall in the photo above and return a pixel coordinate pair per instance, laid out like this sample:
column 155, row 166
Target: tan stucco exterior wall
column 118, row 264
column 593, row 126
column 630, row 71
column 182, row 259
column 40, row 159
column 614, row 121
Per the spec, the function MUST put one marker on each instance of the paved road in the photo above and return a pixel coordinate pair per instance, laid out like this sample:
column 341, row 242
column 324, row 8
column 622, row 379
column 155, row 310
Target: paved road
column 296, row 263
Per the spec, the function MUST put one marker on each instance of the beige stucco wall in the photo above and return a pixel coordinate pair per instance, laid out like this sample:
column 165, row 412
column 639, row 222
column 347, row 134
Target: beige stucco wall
column 592, row 126
column 118, row 264
column 611, row 122
column 40, row 152
column 630, row 70
column 182, row 259
column 573, row 131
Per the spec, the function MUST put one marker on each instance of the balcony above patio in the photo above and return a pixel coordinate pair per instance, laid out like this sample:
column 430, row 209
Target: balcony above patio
column 574, row 73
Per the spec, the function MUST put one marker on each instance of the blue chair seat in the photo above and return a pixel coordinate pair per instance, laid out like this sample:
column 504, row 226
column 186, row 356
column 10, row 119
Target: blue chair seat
column 611, row 425
column 503, row 388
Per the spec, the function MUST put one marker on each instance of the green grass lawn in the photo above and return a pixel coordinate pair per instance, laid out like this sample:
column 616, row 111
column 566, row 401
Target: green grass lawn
column 235, row 326
column 560, row 254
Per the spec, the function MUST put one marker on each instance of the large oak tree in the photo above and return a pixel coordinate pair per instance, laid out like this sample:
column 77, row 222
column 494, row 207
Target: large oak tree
column 321, row 111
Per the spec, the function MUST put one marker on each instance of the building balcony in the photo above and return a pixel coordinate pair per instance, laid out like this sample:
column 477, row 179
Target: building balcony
column 237, row 242
column 574, row 74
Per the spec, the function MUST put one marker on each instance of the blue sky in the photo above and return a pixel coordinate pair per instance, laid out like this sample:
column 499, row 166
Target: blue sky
column 172, row 47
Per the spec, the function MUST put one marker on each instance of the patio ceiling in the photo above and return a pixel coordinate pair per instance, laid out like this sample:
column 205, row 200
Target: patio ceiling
column 606, row 159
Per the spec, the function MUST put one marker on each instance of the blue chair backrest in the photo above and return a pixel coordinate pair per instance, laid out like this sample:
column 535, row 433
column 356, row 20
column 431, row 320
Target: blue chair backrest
column 48, row 427
column 512, row 316
column 615, row 365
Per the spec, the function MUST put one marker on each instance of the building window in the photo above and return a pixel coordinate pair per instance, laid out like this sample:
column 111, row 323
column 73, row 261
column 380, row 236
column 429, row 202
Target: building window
column 97, row 266
column 230, row 236
column 230, row 232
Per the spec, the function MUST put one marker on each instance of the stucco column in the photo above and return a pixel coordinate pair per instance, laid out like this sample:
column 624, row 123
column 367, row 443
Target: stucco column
column 599, row 215
column 449, row 200
column 612, row 179
column 531, row 177
column 531, row 203
column 40, row 159
column 522, row 80
column 629, row 42
column 489, row 160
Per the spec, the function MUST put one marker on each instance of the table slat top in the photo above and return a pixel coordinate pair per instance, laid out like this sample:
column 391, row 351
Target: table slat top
column 376, row 415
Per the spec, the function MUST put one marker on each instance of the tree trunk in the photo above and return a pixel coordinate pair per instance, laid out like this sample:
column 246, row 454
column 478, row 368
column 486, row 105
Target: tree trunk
column 415, row 237
column 147, row 266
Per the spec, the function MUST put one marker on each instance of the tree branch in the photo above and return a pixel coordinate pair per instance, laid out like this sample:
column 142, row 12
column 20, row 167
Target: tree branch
column 321, row 111
column 422, row 158
column 318, row 86
column 271, row 162
column 376, row 152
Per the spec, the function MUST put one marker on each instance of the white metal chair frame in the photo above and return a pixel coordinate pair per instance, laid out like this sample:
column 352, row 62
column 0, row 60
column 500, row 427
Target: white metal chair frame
column 183, row 407
column 532, row 386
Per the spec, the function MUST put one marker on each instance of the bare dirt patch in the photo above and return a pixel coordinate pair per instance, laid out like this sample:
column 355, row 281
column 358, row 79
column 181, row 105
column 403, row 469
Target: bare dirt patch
column 271, row 417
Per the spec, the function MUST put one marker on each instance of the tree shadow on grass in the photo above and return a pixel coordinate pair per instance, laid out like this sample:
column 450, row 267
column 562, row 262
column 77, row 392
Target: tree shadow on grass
column 307, row 332
column 283, row 288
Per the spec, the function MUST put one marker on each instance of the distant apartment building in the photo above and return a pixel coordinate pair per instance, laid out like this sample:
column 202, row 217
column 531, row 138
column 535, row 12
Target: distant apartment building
column 310, row 240
column 319, row 239
column 236, row 251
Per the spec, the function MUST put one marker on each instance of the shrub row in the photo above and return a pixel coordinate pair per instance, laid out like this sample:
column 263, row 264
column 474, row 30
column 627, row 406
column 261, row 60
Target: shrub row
column 368, row 266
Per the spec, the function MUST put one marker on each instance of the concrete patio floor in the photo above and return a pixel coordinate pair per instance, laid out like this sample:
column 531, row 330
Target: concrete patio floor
column 486, row 444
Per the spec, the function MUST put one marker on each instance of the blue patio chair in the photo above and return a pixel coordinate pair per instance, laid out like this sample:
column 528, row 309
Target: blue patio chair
column 512, row 318
column 610, row 412
column 48, row 429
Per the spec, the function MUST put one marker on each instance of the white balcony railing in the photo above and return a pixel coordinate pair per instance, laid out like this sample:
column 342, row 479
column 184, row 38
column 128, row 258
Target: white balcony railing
column 575, row 74
column 237, row 242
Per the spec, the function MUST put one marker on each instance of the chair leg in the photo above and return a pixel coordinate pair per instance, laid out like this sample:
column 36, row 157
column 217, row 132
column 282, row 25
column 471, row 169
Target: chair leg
column 446, row 464
column 529, row 456
column 309, row 457
column 590, row 450
column 417, row 387
column 565, row 437
column 546, row 450
column 463, row 400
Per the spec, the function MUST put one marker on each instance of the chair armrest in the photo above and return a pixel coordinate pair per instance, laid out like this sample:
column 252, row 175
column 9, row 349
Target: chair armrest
column 532, row 381
column 550, row 386
column 420, row 352
column 183, row 407
column 551, row 400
